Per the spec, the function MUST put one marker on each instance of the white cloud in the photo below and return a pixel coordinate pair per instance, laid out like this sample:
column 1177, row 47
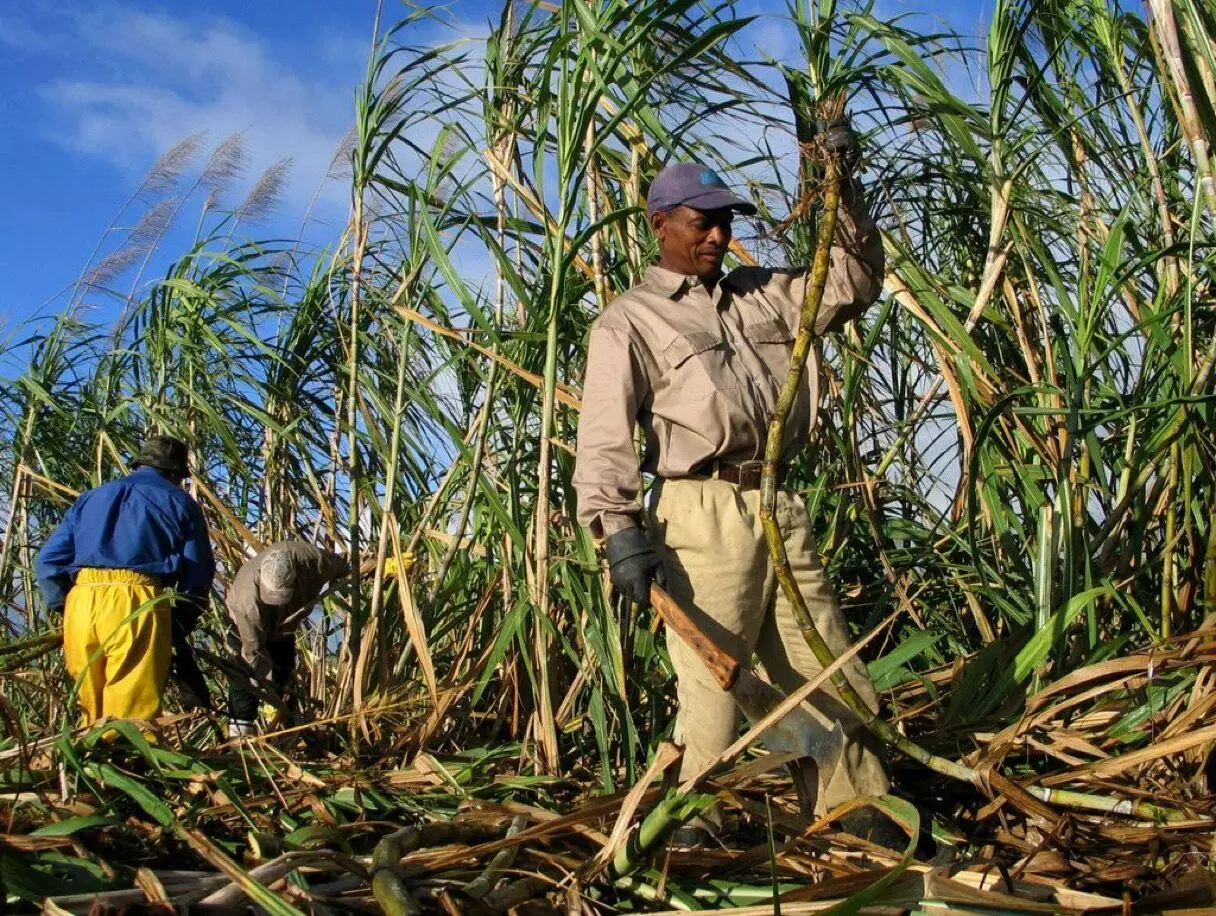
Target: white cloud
column 19, row 35
column 141, row 81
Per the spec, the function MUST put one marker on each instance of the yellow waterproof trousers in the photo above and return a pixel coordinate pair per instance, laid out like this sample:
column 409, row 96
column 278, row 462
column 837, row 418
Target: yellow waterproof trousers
column 718, row 567
column 117, row 643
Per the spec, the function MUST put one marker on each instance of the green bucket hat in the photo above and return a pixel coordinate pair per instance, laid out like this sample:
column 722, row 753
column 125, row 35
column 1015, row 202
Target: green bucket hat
column 165, row 454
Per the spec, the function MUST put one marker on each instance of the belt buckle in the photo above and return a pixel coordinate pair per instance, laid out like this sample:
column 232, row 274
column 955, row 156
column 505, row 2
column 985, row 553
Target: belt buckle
column 748, row 474
column 755, row 473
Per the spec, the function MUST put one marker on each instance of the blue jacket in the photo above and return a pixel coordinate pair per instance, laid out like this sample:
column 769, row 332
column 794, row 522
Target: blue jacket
column 141, row 522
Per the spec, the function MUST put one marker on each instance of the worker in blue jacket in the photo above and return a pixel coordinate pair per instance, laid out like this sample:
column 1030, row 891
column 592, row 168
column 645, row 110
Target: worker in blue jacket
column 118, row 550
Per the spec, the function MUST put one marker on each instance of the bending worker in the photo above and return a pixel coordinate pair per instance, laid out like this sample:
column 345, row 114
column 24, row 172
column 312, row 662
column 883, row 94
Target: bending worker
column 119, row 548
column 696, row 357
column 270, row 597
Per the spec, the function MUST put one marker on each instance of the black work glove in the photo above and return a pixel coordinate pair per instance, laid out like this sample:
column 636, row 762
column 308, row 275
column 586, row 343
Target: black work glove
column 191, row 685
column 633, row 564
column 838, row 137
column 184, row 669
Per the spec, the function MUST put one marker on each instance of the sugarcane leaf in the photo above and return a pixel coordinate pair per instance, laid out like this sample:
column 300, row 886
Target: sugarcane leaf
column 1034, row 653
column 21, row 880
column 71, row 825
column 890, row 669
column 903, row 813
column 136, row 790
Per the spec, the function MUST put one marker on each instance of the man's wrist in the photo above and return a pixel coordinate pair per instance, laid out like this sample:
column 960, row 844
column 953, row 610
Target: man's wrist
column 612, row 523
column 627, row 544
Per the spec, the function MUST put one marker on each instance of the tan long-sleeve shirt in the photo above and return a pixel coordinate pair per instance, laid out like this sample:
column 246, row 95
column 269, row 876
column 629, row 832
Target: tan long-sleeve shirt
column 257, row 623
column 700, row 371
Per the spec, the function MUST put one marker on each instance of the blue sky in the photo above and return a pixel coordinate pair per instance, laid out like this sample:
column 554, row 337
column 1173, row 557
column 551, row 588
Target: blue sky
column 95, row 91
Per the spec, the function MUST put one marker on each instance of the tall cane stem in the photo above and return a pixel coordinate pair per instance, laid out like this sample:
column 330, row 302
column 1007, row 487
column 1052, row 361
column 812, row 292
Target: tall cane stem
column 768, row 490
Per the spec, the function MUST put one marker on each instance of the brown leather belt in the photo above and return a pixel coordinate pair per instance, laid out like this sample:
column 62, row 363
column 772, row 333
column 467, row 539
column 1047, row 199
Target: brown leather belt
column 746, row 476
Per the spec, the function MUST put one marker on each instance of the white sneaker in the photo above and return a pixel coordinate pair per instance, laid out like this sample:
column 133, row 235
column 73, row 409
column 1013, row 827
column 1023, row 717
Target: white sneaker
column 239, row 729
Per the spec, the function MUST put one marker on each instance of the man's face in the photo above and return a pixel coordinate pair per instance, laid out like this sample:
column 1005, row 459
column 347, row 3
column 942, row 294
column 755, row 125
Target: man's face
column 692, row 242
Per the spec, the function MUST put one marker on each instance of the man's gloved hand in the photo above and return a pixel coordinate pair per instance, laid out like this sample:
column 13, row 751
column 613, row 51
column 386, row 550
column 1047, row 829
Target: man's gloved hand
column 838, row 137
column 633, row 564
column 183, row 668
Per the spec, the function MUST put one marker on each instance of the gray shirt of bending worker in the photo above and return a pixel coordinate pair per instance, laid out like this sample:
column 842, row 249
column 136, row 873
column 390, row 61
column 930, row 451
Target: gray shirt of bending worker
column 274, row 592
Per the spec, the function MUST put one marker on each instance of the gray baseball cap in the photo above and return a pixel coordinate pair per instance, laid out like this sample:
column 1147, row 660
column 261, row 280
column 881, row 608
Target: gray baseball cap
column 693, row 185
column 276, row 578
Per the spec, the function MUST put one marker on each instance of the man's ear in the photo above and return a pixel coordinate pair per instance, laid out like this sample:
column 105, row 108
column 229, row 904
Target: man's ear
column 658, row 224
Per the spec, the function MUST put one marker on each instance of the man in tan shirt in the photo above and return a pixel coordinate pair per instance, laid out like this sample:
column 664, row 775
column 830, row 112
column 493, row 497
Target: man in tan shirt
column 270, row 597
column 696, row 358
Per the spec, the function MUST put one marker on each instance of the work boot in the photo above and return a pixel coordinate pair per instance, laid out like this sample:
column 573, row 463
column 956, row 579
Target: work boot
column 688, row 837
column 873, row 826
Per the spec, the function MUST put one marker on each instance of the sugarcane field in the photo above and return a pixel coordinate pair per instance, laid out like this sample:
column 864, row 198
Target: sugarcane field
column 672, row 456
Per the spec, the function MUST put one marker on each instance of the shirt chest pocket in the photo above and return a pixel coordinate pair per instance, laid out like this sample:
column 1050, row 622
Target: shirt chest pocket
column 698, row 363
column 773, row 342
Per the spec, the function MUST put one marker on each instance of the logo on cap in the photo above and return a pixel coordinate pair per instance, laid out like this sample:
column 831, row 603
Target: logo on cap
column 709, row 176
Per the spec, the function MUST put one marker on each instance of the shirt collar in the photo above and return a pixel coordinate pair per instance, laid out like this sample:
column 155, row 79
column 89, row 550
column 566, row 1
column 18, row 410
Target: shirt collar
column 668, row 282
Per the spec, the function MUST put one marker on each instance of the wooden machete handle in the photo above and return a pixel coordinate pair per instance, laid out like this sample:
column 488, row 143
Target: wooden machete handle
column 724, row 668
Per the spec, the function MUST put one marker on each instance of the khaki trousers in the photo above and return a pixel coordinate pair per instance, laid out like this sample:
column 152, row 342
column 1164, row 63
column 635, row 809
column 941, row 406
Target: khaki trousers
column 712, row 543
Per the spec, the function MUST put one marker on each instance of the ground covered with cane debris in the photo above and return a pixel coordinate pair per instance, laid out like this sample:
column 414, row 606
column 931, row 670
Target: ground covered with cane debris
column 1098, row 792
column 1011, row 481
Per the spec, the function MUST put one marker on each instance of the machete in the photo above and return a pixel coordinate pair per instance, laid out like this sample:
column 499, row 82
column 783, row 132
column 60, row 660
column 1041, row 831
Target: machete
column 798, row 732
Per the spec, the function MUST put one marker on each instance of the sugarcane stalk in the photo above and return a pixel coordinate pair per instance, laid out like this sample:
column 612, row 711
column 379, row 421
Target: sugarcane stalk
column 659, row 891
column 1209, row 567
column 768, row 491
column 480, row 886
column 878, row 727
column 546, row 732
column 375, row 632
column 515, row 893
column 1106, row 804
column 1169, row 559
column 388, row 885
column 6, row 542
column 1168, row 48
column 481, row 427
column 268, row 873
column 18, row 654
column 664, row 819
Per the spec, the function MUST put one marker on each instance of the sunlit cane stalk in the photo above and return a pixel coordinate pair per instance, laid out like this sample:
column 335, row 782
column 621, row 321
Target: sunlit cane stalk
column 768, row 488
column 1170, row 46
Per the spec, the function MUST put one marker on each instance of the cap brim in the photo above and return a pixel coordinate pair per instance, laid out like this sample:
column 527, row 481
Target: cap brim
column 183, row 472
column 720, row 199
column 273, row 596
